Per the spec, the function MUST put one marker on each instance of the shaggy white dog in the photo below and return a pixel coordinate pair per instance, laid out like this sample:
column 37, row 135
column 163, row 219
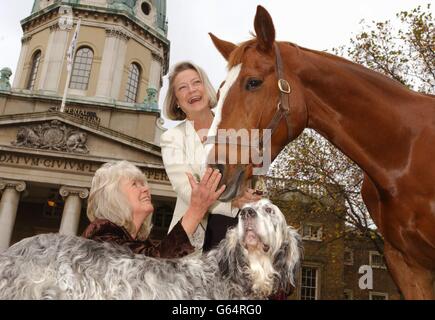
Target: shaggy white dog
column 256, row 259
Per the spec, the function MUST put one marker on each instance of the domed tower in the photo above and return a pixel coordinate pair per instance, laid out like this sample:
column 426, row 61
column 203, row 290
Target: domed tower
column 121, row 54
column 48, row 154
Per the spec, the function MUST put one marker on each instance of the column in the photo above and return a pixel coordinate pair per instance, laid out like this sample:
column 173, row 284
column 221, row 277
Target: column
column 8, row 209
column 54, row 58
column 71, row 211
column 20, row 77
column 112, row 64
column 155, row 75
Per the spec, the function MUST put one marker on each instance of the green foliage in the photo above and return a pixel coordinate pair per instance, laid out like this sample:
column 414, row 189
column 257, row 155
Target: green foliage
column 405, row 53
column 312, row 159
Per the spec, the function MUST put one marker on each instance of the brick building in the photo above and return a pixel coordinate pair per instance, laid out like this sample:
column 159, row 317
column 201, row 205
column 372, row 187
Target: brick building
column 333, row 254
column 361, row 251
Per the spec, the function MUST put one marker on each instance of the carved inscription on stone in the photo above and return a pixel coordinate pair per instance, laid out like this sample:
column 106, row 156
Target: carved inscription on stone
column 43, row 162
column 156, row 175
column 89, row 116
column 70, row 165
column 52, row 136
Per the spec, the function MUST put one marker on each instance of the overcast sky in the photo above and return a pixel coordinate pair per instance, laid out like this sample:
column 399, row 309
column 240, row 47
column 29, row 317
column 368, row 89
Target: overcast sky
column 316, row 24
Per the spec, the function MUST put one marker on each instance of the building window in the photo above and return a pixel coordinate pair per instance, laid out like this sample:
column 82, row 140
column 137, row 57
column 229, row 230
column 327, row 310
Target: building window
column 311, row 231
column 146, row 8
column 162, row 217
column 34, row 70
column 376, row 260
column 81, row 69
column 378, row 295
column 132, row 83
column 348, row 256
column 53, row 206
column 309, row 283
column 348, row 294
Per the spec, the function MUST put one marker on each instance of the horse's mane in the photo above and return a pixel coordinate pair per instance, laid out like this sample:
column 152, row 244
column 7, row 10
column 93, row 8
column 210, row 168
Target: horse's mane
column 237, row 55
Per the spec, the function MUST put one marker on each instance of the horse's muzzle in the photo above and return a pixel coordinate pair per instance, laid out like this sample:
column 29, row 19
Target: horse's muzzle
column 231, row 178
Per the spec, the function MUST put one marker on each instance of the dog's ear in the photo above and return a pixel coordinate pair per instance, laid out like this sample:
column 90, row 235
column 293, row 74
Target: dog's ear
column 287, row 260
column 230, row 256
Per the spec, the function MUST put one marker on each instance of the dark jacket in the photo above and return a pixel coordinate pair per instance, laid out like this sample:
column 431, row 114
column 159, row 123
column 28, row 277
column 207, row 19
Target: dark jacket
column 175, row 245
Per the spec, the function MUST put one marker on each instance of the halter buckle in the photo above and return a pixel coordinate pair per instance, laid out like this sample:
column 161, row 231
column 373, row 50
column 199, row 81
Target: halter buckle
column 279, row 107
column 284, row 86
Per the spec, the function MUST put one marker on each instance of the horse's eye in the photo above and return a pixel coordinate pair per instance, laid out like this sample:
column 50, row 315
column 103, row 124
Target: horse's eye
column 253, row 84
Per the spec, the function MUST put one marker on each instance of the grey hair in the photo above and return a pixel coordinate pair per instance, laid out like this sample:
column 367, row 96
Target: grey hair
column 55, row 266
column 106, row 201
column 170, row 106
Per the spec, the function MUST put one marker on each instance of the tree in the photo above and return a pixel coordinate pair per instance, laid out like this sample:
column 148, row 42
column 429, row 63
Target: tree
column 406, row 54
column 314, row 168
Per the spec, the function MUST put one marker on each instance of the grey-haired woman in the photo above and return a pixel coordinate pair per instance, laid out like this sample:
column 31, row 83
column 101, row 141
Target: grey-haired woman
column 120, row 210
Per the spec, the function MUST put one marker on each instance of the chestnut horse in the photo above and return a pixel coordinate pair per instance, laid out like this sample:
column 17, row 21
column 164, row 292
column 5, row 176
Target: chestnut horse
column 385, row 128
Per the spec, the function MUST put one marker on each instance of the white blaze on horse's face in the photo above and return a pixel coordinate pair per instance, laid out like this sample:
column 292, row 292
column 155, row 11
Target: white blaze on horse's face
column 229, row 81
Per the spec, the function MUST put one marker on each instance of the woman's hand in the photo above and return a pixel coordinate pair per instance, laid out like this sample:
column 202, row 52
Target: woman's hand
column 247, row 197
column 204, row 194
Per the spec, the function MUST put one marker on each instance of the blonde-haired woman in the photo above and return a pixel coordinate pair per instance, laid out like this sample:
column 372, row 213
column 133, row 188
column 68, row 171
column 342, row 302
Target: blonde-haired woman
column 120, row 210
column 190, row 98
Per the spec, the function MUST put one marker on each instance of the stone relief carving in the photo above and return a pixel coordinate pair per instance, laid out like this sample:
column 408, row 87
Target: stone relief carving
column 150, row 100
column 5, row 74
column 77, row 142
column 52, row 136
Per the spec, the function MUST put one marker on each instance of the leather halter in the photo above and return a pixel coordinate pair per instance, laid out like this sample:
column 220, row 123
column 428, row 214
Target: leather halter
column 283, row 108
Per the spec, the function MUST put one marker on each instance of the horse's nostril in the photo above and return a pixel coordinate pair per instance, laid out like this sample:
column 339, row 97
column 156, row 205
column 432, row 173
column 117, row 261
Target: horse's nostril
column 220, row 167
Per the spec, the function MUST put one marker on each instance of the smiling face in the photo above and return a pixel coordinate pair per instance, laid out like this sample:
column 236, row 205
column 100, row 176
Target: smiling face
column 252, row 98
column 138, row 195
column 190, row 93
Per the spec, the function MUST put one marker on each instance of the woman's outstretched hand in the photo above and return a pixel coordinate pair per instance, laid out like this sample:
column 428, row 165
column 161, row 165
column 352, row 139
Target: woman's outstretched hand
column 203, row 195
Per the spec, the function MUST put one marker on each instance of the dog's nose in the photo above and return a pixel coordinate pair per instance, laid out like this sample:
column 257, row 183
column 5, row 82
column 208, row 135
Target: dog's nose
column 248, row 212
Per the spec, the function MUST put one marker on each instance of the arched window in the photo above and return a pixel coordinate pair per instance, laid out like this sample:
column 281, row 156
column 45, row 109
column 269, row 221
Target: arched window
column 81, row 69
column 132, row 83
column 34, row 70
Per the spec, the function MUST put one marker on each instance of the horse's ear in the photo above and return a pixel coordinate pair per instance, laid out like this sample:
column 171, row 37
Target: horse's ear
column 264, row 29
column 224, row 47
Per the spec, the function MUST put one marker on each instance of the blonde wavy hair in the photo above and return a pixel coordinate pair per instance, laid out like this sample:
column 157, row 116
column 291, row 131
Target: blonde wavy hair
column 107, row 201
column 170, row 106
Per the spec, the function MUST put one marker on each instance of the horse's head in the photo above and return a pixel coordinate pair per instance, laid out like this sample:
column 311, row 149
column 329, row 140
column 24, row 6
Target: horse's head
column 259, row 93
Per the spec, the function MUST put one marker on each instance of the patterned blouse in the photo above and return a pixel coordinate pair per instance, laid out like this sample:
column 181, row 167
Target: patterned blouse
column 175, row 245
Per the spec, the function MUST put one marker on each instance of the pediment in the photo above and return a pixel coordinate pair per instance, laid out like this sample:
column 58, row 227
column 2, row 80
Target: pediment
column 63, row 135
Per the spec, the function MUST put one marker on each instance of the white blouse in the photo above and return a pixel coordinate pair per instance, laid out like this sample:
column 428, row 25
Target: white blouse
column 183, row 151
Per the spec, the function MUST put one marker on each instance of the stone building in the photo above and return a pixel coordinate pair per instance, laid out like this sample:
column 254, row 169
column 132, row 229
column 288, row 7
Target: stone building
column 332, row 254
column 48, row 157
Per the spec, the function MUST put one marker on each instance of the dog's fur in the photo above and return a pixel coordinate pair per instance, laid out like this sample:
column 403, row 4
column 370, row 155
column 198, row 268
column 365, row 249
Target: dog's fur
column 257, row 258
